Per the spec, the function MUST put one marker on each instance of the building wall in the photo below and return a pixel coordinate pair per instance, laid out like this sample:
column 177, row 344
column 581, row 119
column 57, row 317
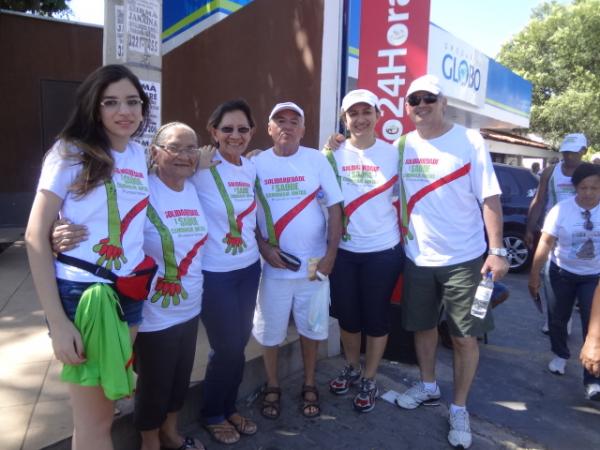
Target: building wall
column 267, row 52
column 44, row 61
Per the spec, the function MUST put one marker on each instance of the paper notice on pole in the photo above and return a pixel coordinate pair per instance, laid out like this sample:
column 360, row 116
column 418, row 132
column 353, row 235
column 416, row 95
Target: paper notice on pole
column 152, row 90
column 143, row 26
column 120, row 32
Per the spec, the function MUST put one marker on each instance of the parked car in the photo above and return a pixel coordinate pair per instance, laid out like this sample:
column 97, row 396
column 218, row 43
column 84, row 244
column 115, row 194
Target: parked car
column 518, row 186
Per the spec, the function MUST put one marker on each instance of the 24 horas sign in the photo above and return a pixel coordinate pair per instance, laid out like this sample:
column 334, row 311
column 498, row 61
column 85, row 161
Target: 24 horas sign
column 393, row 52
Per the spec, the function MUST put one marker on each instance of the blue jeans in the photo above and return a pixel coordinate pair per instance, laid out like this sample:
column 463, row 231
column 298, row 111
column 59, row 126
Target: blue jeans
column 70, row 294
column 228, row 305
column 567, row 287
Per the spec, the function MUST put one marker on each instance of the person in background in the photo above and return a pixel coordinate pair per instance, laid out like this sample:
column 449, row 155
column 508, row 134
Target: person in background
column 535, row 169
column 590, row 352
column 93, row 174
column 293, row 230
column 571, row 236
column 446, row 174
column 370, row 257
column 231, row 267
column 555, row 185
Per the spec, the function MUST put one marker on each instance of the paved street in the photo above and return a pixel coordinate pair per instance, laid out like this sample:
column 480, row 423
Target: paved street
column 515, row 402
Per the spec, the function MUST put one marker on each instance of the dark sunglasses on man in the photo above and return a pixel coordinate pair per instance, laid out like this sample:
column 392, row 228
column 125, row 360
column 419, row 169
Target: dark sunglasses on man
column 427, row 97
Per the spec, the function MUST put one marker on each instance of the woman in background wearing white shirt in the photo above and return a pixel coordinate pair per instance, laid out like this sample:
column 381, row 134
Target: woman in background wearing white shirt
column 571, row 232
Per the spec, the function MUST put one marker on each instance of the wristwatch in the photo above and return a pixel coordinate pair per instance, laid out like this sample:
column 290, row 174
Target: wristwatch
column 498, row 251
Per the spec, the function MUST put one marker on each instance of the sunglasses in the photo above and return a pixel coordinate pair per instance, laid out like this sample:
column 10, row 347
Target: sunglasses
column 229, row 130
column 587, row 216
column 428, row 98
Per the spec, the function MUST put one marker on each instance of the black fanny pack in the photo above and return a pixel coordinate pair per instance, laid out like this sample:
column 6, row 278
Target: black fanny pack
column 135, row 286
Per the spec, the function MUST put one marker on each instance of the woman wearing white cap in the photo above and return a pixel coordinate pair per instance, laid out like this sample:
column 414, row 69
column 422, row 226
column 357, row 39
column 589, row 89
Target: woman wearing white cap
column 370, row 257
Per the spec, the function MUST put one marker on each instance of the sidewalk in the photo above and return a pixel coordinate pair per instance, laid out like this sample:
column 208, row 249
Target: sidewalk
column 515, row 402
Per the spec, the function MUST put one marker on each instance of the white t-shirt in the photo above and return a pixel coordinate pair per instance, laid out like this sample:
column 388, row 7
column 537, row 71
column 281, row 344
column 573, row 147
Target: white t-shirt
column 175, row 238
column 369, row 181
column 560, row 187
column 130, row 194
column 224, row 251
column 577, row 250
column 445, row 180
column 290, row 182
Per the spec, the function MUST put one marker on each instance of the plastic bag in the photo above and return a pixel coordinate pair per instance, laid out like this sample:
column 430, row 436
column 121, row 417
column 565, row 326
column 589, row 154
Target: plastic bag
column 318, row 309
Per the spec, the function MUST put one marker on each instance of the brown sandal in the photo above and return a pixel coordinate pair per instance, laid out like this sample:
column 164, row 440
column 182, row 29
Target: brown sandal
column 242, row 424
column 307, row 405
column 223, row 433
column 271, row 405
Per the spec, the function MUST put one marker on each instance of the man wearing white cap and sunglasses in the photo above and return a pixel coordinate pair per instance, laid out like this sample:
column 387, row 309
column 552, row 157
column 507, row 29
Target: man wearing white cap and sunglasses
column 446, row 173
column 293, row 233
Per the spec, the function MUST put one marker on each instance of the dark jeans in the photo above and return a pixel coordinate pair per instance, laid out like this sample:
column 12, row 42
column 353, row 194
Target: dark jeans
column 568, row 287
column 227, row 310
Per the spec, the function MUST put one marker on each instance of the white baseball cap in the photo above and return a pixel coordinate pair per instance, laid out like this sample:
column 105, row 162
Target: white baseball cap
column 573, row 142
column 358, row 96
column 427, row 83
column 286, row 105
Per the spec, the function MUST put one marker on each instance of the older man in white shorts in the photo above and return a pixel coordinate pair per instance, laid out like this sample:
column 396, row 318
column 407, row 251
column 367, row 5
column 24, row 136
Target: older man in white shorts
column 293, row 229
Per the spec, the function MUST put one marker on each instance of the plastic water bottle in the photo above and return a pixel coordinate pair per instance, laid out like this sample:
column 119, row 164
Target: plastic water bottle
column 483, row 295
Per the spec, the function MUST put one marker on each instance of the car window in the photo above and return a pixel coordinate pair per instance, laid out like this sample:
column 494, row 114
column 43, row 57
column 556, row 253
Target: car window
column 508, row 183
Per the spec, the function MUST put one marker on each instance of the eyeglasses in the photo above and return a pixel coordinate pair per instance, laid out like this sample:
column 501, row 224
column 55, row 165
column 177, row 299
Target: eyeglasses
column 230, row 130
column 587, row 216
column 428, row 98
column 174, row 150
column 112, row 104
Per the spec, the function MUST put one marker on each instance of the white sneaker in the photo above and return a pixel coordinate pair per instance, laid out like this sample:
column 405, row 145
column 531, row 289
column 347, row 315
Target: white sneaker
column 460, row 429
column 557, row 365
column 415, row 395
column 592, row 391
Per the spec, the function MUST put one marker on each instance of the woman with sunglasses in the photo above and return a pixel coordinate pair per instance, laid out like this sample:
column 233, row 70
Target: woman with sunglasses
column 370, row 256
column 231, row 268
column 571, row 235
column 94, row 174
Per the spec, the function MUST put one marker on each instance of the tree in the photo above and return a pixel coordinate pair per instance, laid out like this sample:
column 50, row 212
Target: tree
column 41, row 7
column 558, row 52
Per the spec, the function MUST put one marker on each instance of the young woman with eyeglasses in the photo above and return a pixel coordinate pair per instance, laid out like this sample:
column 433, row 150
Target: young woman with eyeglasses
column 94, row 174
column 231, row 267
column 571, row 235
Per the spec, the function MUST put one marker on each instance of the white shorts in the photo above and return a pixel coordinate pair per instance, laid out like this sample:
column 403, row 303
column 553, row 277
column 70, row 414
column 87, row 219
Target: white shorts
column 276, row 298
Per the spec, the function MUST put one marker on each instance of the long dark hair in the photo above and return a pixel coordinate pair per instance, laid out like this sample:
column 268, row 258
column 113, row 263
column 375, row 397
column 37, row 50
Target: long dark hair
column 84, row 128
column 231, row 105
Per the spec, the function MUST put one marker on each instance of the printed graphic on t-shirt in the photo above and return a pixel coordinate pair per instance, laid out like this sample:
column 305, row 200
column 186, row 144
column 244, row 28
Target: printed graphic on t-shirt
column 181, row 222
column 184, row 222
column 425, row 169
column 284, row 188
column 110, row 248
column 587, row 250
column 362, row 175
column 131, row 181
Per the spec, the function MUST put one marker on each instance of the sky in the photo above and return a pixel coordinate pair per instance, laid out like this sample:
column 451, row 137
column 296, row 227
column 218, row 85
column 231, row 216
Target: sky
column 484, row 24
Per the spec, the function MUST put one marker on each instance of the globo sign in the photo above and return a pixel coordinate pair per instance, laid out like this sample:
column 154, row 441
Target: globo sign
column 461, row 72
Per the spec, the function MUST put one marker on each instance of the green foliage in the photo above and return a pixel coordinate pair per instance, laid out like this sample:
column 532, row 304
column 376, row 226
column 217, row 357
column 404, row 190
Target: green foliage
column 558, row 52
column 41, row 7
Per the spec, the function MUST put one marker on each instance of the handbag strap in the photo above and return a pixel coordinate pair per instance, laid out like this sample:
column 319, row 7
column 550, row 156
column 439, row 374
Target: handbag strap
column 92, row 268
